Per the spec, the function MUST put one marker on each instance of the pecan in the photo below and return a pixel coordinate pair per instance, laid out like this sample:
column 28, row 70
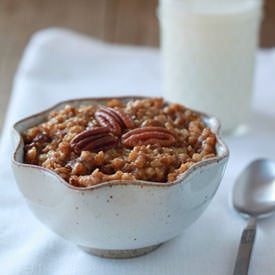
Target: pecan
column 116, row 120
column 39, row 141
column 151, row 123
column 95, row 140
column 148, row 135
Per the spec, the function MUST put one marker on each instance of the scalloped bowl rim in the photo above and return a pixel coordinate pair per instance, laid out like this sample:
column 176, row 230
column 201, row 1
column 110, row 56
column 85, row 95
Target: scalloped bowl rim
column 214, row 125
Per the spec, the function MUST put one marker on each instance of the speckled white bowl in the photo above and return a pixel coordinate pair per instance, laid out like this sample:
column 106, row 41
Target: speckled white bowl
column 117, row 219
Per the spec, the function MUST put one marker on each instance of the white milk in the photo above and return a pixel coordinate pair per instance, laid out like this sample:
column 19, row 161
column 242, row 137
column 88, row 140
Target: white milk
column 208, row 50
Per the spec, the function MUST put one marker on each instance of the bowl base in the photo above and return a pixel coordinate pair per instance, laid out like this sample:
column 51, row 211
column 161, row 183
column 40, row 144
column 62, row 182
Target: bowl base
column 119, row 254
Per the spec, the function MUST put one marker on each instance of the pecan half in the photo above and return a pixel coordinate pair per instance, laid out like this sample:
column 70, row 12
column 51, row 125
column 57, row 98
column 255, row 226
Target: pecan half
column 148, row 135
column 95, row 140
column 116, row 120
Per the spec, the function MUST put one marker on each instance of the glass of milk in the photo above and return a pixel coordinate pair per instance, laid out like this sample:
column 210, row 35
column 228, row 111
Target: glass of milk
column 208, row 51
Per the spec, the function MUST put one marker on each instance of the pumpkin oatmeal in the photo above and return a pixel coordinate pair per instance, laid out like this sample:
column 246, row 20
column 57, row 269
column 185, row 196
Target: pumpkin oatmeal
column 145, row 139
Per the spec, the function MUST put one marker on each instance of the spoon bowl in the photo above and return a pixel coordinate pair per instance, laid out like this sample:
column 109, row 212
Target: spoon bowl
column 254, row 191
column 253, row 195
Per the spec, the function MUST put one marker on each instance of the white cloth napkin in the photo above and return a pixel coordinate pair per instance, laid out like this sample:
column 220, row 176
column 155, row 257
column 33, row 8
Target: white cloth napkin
column 60, row 64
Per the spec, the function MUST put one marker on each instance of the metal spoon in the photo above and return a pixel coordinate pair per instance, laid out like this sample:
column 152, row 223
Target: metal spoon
column 253, row 195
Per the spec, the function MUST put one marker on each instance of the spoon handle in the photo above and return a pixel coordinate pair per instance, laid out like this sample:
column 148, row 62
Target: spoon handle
column 245, row 248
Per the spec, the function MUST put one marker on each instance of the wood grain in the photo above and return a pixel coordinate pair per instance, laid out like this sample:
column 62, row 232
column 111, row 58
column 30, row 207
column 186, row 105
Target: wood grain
column 267, row 38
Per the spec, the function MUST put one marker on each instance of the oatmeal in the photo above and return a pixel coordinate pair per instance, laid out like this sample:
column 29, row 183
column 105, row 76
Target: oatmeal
column 146, row 139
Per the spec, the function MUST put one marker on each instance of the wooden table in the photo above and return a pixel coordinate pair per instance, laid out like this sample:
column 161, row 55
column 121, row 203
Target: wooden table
column 119, row 21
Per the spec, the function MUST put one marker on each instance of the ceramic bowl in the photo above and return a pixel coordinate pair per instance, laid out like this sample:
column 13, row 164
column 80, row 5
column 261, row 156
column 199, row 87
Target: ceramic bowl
column 117, row 219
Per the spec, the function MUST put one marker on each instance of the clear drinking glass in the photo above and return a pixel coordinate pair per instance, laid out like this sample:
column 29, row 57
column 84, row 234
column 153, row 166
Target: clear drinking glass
column 208, row 51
